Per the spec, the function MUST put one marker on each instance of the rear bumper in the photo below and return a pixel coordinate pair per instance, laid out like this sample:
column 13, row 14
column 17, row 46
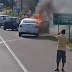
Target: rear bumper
column 28, row 33
column 36, row 30
column 10, row 27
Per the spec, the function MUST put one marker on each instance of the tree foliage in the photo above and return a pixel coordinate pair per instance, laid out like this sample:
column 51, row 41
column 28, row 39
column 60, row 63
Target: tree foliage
column 8, row 3
column 31, row 4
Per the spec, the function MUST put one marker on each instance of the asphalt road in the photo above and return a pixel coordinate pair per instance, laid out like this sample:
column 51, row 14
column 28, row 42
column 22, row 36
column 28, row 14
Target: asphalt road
column 30, row 53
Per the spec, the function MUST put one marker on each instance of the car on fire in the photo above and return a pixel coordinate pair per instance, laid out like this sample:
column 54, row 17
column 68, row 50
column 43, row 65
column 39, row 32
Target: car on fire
column 28, row 26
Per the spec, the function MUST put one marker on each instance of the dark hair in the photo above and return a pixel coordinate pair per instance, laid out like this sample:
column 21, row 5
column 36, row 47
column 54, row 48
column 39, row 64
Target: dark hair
column 63, row 31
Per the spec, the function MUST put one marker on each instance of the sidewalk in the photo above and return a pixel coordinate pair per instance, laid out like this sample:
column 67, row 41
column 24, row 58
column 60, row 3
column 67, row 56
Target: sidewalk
column 7, row 61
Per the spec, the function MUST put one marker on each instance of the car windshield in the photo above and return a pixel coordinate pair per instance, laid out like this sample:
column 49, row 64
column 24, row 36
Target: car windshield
column 26, row 21
column 7, row 19
column 12, row 20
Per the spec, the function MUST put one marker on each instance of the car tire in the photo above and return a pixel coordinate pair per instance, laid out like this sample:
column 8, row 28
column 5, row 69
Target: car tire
column 0, row 25
column 17, row 28
column 37, row 35
column 4, row 28
column 20, row 34
column 12, row 29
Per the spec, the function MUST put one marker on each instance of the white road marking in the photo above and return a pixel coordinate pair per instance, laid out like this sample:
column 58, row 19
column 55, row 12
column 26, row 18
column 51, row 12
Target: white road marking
column 11, row 40
column 16, row 58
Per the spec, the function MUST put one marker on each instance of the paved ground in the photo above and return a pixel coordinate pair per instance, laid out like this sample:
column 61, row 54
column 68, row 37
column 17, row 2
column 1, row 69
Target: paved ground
column 36, row 54
column 7, row 61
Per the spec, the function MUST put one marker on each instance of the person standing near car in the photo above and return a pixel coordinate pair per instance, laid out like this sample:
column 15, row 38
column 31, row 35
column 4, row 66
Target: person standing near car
column 61, row 52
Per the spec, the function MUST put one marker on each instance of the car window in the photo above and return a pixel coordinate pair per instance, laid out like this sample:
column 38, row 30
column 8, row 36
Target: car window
column 13, row 19
column 17, row 20
column 3, row 17
column 26, row 21
column 7, row 19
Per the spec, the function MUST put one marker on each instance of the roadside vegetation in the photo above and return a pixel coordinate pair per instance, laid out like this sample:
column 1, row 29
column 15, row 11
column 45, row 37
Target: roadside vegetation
column 14, row 13
column 70, row 45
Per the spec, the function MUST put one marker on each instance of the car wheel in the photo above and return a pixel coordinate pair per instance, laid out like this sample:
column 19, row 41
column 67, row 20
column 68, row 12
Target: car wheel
column 12, row 29
column 17, row 28
column 37, row 35
column 20, row 34
column 4, row 28
column 0, row 25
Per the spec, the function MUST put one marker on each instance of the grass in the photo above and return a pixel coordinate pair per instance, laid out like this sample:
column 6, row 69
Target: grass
column 49, row 36
column 70, row 45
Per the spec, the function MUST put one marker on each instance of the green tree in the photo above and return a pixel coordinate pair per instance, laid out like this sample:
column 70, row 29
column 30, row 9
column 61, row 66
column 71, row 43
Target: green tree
column 31, row 4
column 8, row 3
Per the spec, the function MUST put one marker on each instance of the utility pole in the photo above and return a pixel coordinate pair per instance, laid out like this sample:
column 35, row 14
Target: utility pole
column 21, row 5
column 12, row 5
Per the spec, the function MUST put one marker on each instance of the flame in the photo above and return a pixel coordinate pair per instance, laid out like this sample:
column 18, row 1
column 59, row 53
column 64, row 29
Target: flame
column 39, row 18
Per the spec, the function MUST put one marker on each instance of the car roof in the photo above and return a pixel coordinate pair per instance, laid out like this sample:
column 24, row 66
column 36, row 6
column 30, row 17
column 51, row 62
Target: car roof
column 13, row 17
column 29, row 19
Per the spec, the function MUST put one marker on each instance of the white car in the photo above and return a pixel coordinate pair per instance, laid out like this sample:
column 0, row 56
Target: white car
column 2, row 19
column 28, row 26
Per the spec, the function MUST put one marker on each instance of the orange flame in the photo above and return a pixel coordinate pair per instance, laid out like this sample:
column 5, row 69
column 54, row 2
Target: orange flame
column 39, row 18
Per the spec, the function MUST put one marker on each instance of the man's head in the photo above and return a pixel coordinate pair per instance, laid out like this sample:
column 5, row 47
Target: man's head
column 63, row 31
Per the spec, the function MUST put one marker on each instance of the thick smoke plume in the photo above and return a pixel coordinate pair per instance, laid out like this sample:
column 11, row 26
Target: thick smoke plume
column 48, row 7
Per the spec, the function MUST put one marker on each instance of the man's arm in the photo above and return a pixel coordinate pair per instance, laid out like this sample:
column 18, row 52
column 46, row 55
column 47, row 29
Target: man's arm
column 57, row 35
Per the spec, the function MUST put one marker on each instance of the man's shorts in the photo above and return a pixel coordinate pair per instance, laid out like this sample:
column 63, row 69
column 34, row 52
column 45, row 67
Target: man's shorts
column 61, row 55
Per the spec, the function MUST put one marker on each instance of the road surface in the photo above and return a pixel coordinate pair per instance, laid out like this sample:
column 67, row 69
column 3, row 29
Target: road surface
column 33, row 54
